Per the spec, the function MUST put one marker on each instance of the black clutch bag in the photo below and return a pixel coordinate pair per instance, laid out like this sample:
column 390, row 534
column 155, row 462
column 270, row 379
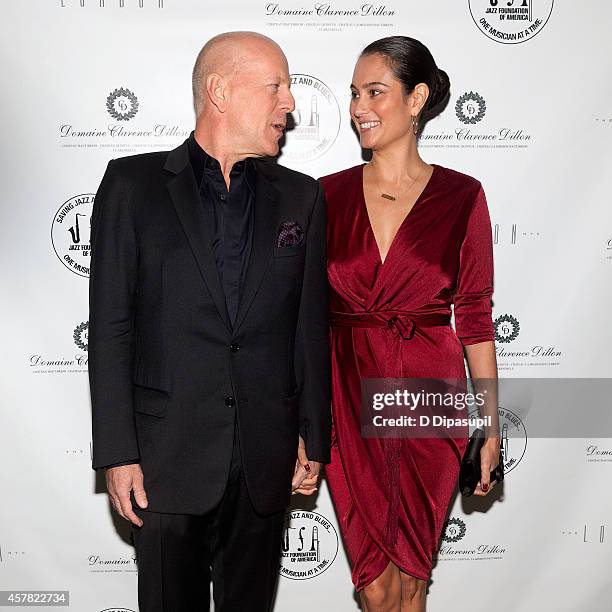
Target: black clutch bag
column 469, row 474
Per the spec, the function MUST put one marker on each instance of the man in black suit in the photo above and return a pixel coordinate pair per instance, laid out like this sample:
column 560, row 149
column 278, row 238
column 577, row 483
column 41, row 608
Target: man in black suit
column 208, row 339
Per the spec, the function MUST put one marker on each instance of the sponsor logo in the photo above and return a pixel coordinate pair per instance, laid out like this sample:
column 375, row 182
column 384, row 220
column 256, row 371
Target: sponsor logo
column 80, row 335
column 475, row 129
column 454, row 531
column 511, row 234
column 70, row 231
column 596, row 454
column 470, row 107
column 6, row 555
column 327, row 16
column 510, row 22
column 122, row 104
column 126, row 132
column 506, row 328
column 76, row 362
column 98, row 563
column 588, row 533
column 310, row 545
column 513, row 437
column 316, row 120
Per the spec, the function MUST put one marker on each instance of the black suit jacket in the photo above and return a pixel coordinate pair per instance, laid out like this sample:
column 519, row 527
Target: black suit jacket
column 168, row 373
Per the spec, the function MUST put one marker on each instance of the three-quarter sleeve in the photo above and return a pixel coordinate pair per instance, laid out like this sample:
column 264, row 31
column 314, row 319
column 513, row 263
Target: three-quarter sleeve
column 472, row 299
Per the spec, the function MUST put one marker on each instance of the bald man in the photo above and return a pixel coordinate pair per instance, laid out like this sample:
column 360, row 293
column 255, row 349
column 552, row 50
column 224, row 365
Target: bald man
column 208, row 339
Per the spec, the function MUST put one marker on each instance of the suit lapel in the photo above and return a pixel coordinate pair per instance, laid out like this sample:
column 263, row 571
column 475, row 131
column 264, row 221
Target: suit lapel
column 264, row 236
column 186, row 199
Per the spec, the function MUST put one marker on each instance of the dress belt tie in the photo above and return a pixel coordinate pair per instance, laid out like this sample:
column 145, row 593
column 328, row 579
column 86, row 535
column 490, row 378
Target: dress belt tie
column 402, row 321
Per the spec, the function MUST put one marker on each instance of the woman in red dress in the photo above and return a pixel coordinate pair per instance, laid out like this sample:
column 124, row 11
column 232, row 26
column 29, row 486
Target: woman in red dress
column 406, row 239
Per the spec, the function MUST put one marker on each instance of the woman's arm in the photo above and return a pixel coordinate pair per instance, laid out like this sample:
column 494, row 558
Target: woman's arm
column 482, row 363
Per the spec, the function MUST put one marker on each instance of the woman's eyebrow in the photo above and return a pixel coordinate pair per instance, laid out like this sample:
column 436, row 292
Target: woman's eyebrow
column 370, row 84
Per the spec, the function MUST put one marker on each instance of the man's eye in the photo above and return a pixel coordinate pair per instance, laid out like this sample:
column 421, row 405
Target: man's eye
column 354, row 95
column 375, row 92
column 275, row 86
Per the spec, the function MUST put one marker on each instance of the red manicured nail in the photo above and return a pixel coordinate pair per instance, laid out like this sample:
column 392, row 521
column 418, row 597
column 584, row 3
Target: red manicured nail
column 485, row 487
column 307, row 467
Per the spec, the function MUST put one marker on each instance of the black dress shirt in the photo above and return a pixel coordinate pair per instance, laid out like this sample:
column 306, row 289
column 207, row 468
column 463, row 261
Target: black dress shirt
column 229, row 216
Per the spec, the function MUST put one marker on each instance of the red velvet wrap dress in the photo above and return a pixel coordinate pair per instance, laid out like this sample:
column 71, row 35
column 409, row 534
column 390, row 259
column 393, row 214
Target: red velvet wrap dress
column 392, row 319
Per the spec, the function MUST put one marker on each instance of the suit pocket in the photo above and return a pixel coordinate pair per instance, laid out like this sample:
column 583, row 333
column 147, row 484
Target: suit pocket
column 290, row 251
column 150, row 398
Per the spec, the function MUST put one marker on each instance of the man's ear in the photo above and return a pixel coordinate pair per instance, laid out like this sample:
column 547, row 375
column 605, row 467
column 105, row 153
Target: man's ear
column 216, row 91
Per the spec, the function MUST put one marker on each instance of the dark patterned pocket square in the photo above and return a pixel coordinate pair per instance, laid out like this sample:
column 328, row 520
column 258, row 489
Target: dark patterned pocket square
column 291, row 233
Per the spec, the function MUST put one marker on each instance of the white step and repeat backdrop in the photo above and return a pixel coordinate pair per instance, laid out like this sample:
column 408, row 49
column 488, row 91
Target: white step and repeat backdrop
column 530, row 116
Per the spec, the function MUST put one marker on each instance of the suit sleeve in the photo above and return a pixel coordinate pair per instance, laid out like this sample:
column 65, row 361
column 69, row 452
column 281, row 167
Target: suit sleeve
column 312, row 361
column 111, row 323
column 472, row 300
column 128, row 462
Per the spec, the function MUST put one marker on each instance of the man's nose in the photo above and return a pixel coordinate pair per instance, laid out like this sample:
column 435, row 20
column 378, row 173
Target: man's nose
column 288, row 102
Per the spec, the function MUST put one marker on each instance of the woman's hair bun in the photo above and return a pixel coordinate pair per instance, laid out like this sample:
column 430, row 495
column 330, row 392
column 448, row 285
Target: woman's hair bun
column 441, row 90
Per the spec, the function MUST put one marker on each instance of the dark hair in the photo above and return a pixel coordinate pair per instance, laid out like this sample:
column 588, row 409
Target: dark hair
column 412, row 63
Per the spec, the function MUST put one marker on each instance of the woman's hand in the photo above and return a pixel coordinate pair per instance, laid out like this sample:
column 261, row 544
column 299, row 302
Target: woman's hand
column 489, row 459
column 306, row 473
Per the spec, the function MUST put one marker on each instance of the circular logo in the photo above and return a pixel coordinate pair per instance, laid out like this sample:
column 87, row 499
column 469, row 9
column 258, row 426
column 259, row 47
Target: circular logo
column 454, row 530
column 122, row 104
column 80, row 335
column 310, row 545
column 470, row 107
column 316, row 119
column 510, row 22
column 506, row 328
column 513, row 437
column 70, row 233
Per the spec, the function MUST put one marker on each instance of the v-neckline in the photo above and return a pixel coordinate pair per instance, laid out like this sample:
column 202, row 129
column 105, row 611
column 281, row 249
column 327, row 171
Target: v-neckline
column 404, row 220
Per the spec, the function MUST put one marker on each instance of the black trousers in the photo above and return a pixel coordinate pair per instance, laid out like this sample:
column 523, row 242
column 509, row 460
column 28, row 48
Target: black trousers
column 178, row 554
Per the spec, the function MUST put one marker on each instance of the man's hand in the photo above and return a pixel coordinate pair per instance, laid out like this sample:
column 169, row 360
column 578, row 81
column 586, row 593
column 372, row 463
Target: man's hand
column 306, row 473
column 120, row 481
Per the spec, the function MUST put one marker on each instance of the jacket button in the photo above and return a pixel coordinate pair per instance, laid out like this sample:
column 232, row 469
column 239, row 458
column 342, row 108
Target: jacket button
column 234, row 348
column 230, row 401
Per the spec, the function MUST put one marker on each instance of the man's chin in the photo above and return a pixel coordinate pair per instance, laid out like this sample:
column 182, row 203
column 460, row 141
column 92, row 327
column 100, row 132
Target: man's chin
column 268, row 150
column 273, row 150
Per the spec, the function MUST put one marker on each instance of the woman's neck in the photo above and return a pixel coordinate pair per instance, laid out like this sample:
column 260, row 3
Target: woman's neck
column 395, row 165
